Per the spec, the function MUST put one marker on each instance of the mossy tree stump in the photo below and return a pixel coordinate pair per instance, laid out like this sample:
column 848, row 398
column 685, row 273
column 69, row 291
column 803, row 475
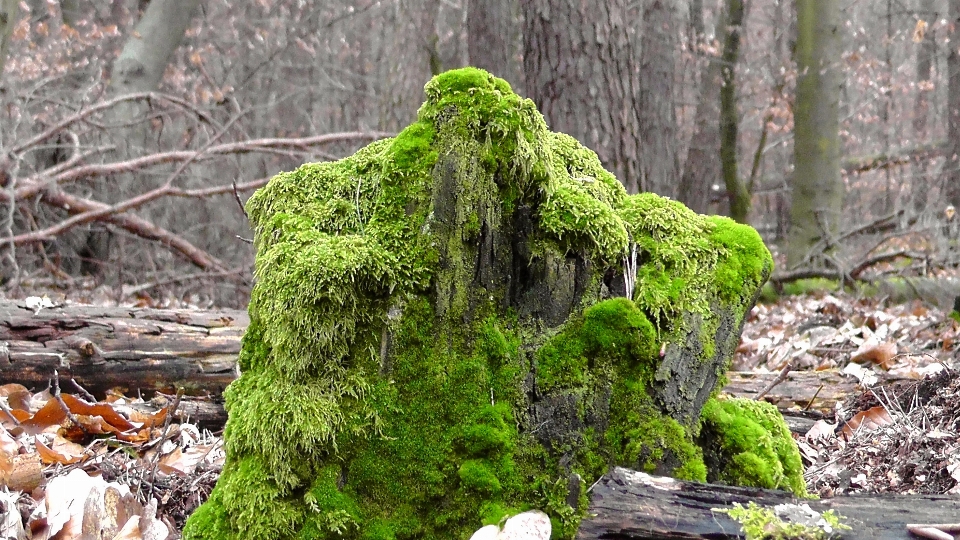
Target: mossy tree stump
column 466, row 321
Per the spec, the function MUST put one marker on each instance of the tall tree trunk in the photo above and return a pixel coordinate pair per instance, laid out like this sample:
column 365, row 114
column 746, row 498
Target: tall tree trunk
column 9, row 15
column 737, row 192
column 817, row 190
column 921, row 108
column 579, row 64
column 659, row 158
column 702, row 167
column 952, row 167
column 492, row 39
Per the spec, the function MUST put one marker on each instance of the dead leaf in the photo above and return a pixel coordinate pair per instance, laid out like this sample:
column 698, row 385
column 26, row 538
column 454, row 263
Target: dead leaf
column 867, row 420
column 60, row 451
column 878, row 353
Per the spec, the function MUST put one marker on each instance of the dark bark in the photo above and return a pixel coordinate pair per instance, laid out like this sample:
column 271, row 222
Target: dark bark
column 628, row 505
column 493, row 35
column 921, row 109
column 580, row 68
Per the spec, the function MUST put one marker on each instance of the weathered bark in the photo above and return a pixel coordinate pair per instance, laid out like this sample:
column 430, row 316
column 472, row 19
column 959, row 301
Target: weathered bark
column 9, row 15
column 630, row 505
column 493, row 39
column 410, row 41
column 737, row 192
column 580, row 63
column 817, row 189
column 659, row 158
column 136, row 349
column 951, row 188
column 702, row 167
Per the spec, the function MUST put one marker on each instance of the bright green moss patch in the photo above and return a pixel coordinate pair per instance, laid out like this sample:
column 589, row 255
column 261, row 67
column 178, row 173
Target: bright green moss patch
column 760, row 522
column 751, row 445
column 399, row 378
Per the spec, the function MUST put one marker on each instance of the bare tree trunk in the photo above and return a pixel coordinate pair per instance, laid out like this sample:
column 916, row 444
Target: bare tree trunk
column 659, row 158
column 411, row 58
column 817, row 188
column 580, row 70
column 702, row 167
column 492, row 39
column 737, row 192
column 952, row 166
column 9, row 15
column 921, row 108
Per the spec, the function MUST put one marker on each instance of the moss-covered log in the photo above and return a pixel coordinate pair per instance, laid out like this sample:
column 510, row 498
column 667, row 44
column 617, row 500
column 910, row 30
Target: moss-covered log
column 469, row 320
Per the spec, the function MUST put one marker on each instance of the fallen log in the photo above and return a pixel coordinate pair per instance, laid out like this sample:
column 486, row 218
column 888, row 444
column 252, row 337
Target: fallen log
column 133, row 349
column 160, row 350
column 628, row 505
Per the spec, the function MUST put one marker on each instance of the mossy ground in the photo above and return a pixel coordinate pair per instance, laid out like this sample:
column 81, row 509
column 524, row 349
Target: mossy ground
column 387, row 384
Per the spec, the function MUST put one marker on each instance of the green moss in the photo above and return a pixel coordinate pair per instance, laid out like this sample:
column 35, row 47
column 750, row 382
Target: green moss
column 751, row 445
column 760, row 522
column 386, row 391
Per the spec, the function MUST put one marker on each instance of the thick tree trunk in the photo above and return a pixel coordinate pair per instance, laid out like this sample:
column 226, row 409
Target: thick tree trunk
column 580, row 68
column 702, row 167
column 659, row 158
column 135, row 349
column 817, row 188
column 630, row 505
column 493, row 35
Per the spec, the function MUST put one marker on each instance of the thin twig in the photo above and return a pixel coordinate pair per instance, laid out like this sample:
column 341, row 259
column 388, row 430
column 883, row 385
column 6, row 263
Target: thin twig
column 782, row 376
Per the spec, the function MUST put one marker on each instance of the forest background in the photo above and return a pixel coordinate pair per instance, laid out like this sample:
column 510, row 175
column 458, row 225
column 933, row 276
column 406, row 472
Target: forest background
column 130, row 130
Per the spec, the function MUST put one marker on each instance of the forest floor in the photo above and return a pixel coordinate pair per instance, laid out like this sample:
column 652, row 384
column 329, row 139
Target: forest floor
column 60, row 445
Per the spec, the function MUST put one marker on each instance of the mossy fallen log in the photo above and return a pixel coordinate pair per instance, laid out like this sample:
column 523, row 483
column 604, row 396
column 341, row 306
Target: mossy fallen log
column 628, row 505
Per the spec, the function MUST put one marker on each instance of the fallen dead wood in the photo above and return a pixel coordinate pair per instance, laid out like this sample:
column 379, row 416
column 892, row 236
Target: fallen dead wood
column 147, row 350
column 134, row 349
column 628, row 505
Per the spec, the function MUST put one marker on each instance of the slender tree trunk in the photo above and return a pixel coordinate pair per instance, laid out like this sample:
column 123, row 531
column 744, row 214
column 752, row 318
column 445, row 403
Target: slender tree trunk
column 817, row 190
column 579, row 63
column 9, row 15
column 412, row 57
column 702, row 167
column 921, row 108
column 659, row 158
column 952, row 166
column 737, row 192
column 493, row 37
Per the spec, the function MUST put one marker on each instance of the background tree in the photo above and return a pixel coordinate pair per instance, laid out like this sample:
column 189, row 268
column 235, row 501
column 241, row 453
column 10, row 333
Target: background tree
column 952, row 167
column 493, row 39
column 579, row 61
column 817, row 192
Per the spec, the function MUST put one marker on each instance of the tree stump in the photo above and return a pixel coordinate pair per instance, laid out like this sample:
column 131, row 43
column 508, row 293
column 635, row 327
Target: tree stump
column 469, row 320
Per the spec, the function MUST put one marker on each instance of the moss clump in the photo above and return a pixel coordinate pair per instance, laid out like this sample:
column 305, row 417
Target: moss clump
column 760, row 522
column 751, row 445
column 398, row 377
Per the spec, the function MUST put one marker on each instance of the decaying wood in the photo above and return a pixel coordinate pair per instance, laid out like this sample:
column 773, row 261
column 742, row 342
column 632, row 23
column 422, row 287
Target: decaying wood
column 160, row 349
column 132, row 348
column 628, row 505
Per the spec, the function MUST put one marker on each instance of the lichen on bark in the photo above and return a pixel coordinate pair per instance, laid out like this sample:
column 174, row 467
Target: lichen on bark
column 440, row 332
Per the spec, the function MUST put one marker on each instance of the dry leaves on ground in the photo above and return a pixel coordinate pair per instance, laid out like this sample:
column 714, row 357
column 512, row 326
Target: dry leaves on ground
column 115, row 469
